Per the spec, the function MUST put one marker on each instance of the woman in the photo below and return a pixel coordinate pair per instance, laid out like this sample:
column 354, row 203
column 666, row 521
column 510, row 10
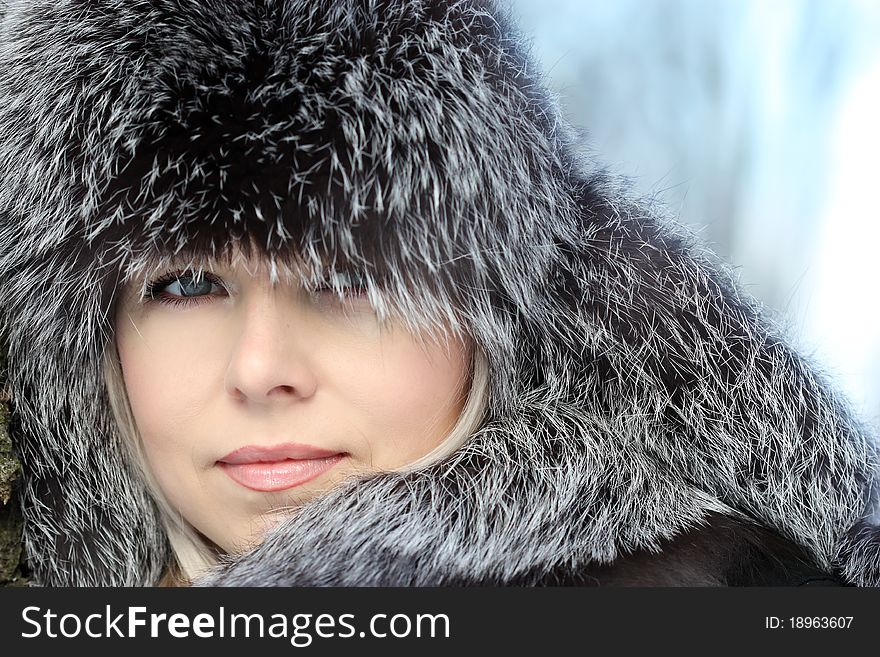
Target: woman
column 217, row 378
column 218, row 220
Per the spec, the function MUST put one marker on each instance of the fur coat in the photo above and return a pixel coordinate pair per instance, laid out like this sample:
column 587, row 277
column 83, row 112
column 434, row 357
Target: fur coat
column 645, row 422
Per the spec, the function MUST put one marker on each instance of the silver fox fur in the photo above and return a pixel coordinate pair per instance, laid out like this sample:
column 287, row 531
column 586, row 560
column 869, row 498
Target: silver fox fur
column 635, row 389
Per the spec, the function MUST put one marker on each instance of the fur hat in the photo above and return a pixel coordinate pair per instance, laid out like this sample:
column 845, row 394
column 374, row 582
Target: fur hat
column 634, row 388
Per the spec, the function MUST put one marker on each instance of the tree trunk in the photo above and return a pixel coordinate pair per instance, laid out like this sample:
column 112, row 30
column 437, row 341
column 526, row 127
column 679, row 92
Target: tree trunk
column 12, row 567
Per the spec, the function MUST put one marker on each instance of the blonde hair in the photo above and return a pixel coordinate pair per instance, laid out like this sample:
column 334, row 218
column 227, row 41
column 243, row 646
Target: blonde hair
column 191, row 554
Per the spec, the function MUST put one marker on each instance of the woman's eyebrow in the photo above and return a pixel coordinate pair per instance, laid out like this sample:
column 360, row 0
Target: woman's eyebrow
column 184, row 263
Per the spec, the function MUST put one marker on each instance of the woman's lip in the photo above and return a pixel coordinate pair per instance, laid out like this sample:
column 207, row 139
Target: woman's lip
column 274, row 453
column 268, row 476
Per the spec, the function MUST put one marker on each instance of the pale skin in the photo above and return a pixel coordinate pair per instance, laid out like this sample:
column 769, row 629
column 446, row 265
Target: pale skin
column 240, row 362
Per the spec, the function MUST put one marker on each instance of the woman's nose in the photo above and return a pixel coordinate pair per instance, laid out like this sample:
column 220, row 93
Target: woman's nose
column 268, row 360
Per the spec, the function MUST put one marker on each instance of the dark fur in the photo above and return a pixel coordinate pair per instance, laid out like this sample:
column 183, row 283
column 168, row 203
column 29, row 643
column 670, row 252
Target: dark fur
column 636, row 392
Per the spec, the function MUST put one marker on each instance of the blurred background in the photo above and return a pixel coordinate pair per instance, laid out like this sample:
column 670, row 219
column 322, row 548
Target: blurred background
column 757, row 123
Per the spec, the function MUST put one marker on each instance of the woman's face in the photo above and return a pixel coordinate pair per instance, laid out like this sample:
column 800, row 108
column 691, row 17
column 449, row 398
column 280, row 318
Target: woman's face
column 252, row 398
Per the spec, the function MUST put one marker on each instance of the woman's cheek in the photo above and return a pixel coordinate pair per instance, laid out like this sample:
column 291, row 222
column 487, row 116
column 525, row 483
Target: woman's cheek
column 414, row 401
column 164, row 367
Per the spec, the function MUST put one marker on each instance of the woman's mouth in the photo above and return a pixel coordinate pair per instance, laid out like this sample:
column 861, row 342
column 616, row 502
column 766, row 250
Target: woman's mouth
column 268, row 469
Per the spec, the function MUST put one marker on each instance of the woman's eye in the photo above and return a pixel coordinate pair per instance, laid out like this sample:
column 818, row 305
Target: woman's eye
column 352, row 283
column 184, row 289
